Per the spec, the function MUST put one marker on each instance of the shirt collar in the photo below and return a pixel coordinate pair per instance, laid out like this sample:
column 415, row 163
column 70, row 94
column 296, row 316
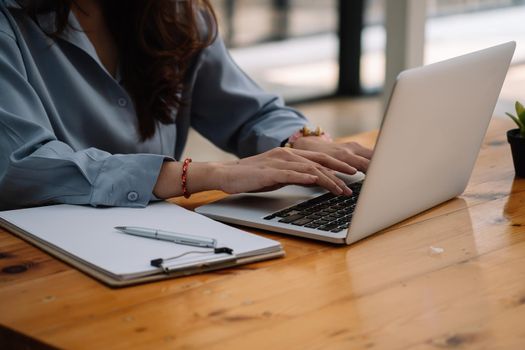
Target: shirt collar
column 73, row 34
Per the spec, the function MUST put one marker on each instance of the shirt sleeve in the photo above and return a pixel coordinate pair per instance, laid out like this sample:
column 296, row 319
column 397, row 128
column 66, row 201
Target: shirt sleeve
column 233, row 112
column 36, row 168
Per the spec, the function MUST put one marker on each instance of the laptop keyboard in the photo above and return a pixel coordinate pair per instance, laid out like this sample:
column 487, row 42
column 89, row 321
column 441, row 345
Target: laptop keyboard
column 327, row 212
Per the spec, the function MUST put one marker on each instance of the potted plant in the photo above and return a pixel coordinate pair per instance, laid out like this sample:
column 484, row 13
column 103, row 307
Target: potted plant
column 516, row 138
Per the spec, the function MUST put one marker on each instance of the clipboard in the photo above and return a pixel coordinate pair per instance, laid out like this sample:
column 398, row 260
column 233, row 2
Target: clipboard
column 84, row 237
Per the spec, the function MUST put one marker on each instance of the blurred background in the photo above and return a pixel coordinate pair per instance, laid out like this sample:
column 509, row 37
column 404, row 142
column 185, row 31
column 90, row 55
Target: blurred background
column 328, row 57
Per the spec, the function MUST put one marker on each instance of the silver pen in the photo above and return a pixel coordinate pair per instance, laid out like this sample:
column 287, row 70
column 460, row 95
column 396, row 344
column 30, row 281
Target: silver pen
column 179, row 238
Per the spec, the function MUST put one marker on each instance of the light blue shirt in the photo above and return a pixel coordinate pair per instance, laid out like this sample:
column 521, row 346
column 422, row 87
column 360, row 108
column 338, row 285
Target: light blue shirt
column 68, row 129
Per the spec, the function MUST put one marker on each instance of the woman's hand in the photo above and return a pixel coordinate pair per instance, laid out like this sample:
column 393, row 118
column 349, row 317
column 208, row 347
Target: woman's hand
column 312, row 161
column 282, row 166
column 351, row 153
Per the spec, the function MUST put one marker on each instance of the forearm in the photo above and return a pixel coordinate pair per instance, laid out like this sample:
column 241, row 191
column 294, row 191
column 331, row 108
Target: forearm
column 52, row 172
column 201, row 176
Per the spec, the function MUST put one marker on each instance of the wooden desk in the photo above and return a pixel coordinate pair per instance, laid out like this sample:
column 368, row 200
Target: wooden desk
column 386, row 292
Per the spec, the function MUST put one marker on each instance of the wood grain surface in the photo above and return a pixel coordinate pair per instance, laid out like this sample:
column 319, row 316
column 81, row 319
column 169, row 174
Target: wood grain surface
column 389, row 291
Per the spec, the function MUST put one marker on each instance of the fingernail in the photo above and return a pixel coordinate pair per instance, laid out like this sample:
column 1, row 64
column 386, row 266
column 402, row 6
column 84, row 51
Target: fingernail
column 348, row 191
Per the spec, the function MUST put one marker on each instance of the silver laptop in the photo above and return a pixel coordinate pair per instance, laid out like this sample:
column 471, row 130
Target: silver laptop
column 429, row 141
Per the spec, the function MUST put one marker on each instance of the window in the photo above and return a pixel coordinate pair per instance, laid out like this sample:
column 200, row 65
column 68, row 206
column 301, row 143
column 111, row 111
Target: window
column 291, row 46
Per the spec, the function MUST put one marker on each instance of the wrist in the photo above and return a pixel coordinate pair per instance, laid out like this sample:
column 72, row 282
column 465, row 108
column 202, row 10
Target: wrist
column 221, row 174
column 203, row 176
column 307, row 132
column 200, row 176
column 309, row 143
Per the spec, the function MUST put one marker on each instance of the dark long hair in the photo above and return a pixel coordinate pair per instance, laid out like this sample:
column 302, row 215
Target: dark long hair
column 156, row 40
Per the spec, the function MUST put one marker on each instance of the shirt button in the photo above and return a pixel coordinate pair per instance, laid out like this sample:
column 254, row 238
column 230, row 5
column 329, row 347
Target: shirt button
column 122, row 102
column 133, row 196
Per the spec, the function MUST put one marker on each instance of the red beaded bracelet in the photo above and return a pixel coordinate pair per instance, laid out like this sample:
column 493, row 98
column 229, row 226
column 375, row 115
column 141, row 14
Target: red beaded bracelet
column 184, row 177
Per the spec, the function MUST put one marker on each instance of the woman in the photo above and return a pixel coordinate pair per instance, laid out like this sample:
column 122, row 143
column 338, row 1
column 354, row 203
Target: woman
column 96, row 98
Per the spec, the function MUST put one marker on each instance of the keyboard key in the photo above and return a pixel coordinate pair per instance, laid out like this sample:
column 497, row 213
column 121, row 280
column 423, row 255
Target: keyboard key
column 302, row 222
column 337, row 229
column 330, row 226
column 314, row 216
column 269, row 217
column 291, row 218
column 282, row 213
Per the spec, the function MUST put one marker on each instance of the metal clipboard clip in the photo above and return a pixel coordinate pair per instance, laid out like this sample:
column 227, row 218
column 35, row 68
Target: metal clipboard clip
column 226, row 257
